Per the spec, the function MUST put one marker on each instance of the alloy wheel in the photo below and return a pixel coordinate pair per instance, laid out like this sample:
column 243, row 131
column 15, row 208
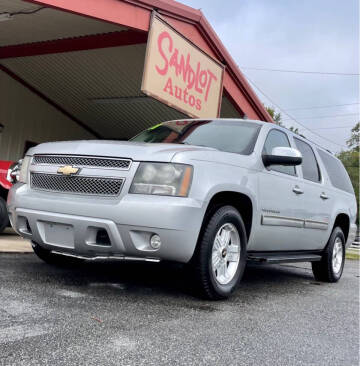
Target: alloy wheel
column 337, row 255
column 226, row 253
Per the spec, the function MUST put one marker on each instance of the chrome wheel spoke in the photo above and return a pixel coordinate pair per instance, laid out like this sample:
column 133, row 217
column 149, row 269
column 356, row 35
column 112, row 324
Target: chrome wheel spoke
column 218, row 243
column 225, row 237
column 233, row 253
column 215, row 260
column 222, row 269
column 233, row 248
column 233, row 257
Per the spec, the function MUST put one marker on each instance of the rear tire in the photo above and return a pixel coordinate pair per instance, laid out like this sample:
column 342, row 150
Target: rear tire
column 51, row 258
column 331, row 266
column 4, row 217
column 220, row 257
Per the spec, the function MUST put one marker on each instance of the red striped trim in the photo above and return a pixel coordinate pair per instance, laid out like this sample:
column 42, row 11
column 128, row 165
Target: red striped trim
column 113, row 39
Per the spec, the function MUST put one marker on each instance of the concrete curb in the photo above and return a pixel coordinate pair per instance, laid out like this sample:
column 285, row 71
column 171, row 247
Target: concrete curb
column 11, row 243
column 15, row 252
column 15, row 248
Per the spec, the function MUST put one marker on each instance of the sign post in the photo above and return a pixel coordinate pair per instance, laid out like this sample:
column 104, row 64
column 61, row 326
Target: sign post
column 180, row 74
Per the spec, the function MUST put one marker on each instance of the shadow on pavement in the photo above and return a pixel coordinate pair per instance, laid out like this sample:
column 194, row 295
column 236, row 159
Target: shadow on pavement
column 169, row 279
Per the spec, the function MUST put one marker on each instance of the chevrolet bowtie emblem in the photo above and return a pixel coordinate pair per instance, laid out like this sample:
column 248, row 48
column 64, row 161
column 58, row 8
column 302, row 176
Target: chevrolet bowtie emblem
column 68, row 170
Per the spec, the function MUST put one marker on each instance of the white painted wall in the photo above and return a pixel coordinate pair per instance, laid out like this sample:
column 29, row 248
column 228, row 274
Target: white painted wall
column 28, row 117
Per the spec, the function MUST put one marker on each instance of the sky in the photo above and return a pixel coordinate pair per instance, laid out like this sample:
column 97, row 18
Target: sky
column 307, row 35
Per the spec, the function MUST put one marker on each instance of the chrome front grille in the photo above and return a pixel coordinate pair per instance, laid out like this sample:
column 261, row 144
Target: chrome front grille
column 82, row 161
column 76, row 184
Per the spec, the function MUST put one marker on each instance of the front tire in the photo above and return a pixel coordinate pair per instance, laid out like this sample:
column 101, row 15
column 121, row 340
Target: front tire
column 220, row 257
column 331, row 266
column 4, row 217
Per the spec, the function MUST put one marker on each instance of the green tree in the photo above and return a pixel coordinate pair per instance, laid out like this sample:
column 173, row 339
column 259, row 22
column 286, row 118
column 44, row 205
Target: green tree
column 353, row 142
column 295, row 130
column 350, row 159
column 275, row 116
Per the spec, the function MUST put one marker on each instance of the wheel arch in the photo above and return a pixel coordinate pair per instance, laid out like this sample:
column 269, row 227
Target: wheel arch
column 241, row 201
column 343, row 221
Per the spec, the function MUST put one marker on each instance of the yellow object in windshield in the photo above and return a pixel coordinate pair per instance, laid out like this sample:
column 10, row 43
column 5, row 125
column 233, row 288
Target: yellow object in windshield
column 156, row 126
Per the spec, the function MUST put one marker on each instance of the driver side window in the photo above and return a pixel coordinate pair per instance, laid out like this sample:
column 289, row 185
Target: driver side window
column 277, row 138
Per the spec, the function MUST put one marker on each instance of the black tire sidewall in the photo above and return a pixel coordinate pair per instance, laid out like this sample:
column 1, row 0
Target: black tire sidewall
column 226, row 214
column 4, row 217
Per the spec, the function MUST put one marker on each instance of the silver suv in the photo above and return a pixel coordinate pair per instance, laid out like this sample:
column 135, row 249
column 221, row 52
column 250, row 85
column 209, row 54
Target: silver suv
column 210, row 193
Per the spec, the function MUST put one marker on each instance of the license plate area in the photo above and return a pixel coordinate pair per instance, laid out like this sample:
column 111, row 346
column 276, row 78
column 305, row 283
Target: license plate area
column 54, row 233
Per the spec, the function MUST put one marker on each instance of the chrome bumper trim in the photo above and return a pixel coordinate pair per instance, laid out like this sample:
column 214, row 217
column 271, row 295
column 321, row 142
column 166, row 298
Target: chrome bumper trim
column 274, row 220
column 96, row 258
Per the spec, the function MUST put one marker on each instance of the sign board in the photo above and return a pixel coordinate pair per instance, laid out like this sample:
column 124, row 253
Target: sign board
column 180, row 74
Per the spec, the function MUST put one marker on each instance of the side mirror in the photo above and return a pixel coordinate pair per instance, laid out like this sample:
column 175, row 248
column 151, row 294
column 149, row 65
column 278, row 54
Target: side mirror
column 283, row 156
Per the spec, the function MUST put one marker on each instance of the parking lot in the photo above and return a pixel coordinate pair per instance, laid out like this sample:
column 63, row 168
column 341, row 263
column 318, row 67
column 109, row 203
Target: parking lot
column 147, row 314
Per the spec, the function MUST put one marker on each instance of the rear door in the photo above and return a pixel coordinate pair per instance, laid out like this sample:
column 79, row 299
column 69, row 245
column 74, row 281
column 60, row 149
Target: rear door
column 280, row 194
column 317, row 200
column 339, row 188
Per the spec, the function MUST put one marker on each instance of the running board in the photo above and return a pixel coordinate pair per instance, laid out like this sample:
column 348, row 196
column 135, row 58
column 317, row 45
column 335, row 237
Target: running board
column 283, row 258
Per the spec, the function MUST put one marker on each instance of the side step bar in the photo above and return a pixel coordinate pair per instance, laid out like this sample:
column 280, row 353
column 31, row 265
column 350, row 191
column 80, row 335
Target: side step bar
column 102, row 258
column 282, row 258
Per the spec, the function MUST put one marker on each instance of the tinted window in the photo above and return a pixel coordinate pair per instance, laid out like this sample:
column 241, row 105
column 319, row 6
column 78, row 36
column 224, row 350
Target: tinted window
column 309, row 165
column 277, row 138
column 336, row 171
column 235, row 137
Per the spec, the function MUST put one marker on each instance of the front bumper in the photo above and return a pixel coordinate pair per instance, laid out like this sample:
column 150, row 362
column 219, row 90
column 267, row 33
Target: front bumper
column 69, row 224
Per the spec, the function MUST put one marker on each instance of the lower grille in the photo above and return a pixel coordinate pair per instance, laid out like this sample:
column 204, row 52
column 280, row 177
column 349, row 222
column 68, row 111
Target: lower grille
column 75, row 184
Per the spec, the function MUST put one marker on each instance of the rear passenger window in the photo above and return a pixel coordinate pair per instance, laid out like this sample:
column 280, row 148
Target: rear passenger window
column 309, row 165
column 338, row 175
column 277, row 138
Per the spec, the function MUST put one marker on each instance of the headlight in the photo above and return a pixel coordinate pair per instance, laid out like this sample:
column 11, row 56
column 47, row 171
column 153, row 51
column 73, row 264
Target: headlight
column 23, row 175
column 162, row 179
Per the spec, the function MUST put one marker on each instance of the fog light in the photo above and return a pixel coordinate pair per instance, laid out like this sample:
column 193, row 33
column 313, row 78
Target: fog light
column 155, row 242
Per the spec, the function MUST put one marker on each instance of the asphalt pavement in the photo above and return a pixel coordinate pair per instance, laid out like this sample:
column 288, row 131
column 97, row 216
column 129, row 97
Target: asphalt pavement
column 147, row 314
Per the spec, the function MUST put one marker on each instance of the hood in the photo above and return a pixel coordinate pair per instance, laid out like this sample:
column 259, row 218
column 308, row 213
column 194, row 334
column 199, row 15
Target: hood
column 137, row 151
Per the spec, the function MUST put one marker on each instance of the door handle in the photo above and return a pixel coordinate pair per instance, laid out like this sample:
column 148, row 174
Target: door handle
column 298, row 190
column 324, row 196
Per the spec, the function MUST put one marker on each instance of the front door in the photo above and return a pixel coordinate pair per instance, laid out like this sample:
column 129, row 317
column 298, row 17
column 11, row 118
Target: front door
column 281, row 205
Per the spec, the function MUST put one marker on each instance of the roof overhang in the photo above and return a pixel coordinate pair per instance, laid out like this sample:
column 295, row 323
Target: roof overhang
column 188, row 21
column 86, row 57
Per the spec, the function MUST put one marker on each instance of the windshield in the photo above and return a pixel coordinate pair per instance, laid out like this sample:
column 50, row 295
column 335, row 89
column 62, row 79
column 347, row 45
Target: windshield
column 230, row 136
